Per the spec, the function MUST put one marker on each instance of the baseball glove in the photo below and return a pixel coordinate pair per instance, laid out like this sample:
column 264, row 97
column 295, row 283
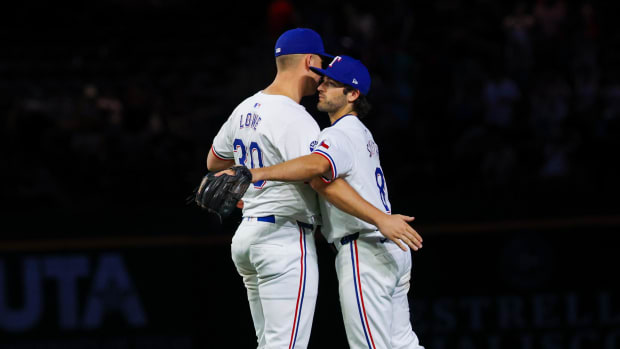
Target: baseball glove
column 220, row 194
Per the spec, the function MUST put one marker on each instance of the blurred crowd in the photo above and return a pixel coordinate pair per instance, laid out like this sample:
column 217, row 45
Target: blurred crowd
column 477, row 106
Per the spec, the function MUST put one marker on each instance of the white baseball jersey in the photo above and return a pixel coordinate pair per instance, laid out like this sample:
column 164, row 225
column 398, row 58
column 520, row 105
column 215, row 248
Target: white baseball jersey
column 373, row 272
column 266, row 130
column 273, row 248
column 354, row 156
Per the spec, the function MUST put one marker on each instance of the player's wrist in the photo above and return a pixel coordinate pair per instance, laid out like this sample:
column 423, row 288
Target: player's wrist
column 379, row 218
column 256, row 174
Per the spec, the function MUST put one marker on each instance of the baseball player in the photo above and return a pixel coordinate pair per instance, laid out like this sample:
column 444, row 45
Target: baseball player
column 373, row 272
column 273, row 248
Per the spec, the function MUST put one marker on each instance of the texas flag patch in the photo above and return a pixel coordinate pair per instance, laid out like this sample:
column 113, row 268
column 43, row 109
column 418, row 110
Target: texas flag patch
column 324, row 145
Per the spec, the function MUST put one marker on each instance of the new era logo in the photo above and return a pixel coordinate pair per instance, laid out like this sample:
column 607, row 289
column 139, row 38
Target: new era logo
column 355, row 81
column 278, row 50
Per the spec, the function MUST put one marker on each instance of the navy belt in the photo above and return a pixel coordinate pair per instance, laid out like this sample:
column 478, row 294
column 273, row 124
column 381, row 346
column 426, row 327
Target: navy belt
column 305, row 225
column 345, row 240
column 272, row 219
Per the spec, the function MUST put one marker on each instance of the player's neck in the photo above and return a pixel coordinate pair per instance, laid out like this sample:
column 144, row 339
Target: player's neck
column 288, row 86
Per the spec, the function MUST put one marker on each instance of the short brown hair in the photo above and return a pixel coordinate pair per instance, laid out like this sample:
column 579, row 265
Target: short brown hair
column 361, row 105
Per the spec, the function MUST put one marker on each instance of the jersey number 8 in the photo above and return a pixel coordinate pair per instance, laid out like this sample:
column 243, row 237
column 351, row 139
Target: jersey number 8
column 381, row 185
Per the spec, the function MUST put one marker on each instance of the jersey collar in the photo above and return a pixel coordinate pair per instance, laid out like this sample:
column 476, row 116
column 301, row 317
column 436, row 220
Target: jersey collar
column 342, row 117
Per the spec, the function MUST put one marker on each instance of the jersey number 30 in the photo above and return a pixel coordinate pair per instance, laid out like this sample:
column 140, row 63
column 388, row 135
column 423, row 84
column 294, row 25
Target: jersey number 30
column 255, row 152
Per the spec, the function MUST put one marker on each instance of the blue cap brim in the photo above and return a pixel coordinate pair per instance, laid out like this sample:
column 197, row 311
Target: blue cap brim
column 319, row 71
column 325, row 72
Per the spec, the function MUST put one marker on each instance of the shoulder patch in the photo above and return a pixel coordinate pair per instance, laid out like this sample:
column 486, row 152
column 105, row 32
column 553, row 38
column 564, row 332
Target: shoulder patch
column 313, row 145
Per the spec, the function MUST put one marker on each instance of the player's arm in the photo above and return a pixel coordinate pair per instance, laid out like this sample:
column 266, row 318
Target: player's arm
column 394, row 227
column 215, row 163
column 298, row 169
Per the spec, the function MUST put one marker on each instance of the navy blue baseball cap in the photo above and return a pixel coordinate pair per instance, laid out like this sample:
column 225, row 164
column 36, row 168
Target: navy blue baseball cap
column 348, row 71
column 300, row 40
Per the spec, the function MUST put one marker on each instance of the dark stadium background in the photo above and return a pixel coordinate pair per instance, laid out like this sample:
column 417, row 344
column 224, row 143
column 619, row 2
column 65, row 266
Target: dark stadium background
column 497, row 122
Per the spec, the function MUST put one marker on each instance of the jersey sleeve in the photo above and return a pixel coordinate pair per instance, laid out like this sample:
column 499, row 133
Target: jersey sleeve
column 298, row 139
column 222, row 143
column 334, row 146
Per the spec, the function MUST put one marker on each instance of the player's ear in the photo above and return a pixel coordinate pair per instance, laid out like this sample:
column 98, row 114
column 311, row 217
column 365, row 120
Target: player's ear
column 308, row 61
column 352, row 95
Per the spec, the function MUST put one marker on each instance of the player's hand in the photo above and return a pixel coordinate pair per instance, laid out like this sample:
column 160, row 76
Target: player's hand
column 230, row 172
column 396, row 228
column 227, row 171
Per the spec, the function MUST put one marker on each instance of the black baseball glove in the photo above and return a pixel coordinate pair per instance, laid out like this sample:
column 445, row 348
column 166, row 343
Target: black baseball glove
column 220, row 194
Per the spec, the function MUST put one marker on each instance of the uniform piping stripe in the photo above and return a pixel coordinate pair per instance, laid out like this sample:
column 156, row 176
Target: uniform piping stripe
column 362, row 294
column 360, row 299
column 302, row 289
column 219, row 156
column 331, row 162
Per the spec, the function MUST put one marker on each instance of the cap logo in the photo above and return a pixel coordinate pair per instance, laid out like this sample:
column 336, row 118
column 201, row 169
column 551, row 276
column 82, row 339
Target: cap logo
column 335, row 60
column 355, row 81
column 278, row 50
